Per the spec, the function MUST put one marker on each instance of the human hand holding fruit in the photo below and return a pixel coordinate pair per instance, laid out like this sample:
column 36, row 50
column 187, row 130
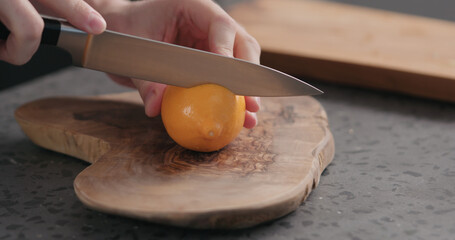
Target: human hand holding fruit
column 200, row 24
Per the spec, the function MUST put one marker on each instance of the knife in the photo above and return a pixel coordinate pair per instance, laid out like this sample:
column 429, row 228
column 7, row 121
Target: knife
column 156, row 61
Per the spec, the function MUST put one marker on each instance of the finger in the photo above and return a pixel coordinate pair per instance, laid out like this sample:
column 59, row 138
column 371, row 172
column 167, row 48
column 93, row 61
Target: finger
column 77, row 12
column 25, row 26
column 124, row 81
column 222, row 35
column 206, row 18
column 250, row 120
column 253, row 104
column 151, row 94
column 246, row 47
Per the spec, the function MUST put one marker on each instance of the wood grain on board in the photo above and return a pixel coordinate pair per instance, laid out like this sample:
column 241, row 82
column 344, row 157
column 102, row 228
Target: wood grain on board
column 138, row 171
column 354, row 45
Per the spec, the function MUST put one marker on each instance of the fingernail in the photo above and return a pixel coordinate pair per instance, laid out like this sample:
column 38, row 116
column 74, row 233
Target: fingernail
column 255, row 116
column 96, row 23
column 258, row 100
column 152, row 104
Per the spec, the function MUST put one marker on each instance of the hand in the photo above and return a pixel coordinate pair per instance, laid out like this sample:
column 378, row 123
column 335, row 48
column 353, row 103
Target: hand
column 200, row 24
column 21, row 17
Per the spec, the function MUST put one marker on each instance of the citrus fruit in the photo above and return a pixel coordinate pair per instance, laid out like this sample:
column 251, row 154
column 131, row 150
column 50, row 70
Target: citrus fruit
column 204, row 118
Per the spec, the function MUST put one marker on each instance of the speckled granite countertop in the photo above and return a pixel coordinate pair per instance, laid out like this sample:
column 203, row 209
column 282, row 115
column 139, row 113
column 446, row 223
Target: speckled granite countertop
column 393, row 175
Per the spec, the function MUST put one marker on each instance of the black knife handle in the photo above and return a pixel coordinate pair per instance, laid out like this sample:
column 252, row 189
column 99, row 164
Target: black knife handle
column 51, row 32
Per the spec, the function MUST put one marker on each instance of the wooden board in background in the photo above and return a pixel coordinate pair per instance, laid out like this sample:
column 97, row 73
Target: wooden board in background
column 354, row 45
column 138, row 171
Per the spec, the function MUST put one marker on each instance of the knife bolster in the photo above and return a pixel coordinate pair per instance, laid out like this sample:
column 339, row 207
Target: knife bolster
column 74, row 41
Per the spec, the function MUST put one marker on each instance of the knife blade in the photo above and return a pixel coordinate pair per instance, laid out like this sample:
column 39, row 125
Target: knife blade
column 156, row 61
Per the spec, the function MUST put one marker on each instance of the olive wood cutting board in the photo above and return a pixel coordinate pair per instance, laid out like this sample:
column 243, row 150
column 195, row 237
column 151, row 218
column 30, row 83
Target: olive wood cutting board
column 137, row 170
column 354, row 45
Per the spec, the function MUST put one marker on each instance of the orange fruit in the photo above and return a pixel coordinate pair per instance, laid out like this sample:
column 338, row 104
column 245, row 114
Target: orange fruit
column 204, row 118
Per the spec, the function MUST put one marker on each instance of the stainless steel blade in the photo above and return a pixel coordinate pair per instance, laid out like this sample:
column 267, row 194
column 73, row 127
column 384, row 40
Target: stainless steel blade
column 156, row 61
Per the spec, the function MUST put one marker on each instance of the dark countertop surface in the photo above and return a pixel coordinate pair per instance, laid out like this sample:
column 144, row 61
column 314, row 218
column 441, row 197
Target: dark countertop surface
column 392, row 176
